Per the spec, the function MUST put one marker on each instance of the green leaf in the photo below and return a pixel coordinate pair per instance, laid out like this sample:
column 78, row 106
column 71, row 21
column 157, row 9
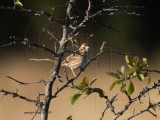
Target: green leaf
column 18, row 3
column 140, row 75
column 102, row 47
column 75, row 97
column 143, row 65
column 132, row 74
column 145, row 62
column 99, row 91
column 148, row 80
column 153, row 107
column 129, row 62
column 93, row 81
column 79, row 86
column 120, row 81
column 88, row 91
column 136, row 61
column 113, row 74
column 128, row 59
column 123, row 88
column 51, row 10
column 85, row 81
column 113, row 84
column 15, row 1
column 130, row 88
column 122, row 69
column 119, row 72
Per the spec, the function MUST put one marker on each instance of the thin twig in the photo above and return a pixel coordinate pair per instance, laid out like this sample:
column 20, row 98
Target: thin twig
column 22, row 83
column 50, row 34
column 14, row 94
column 107, row 106
column 26, row 42
column 145, row 110
column 147, row 70
column 35, row 113
column 39, row 60
column 36, row 13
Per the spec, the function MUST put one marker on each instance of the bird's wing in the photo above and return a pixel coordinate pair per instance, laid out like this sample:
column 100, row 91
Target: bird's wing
column 70, row 59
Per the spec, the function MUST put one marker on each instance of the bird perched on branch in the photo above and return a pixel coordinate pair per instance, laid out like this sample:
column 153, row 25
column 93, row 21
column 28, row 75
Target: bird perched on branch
column 77, row 59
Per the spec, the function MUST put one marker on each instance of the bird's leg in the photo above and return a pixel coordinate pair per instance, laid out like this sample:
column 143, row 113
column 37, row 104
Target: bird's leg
column 73, row 73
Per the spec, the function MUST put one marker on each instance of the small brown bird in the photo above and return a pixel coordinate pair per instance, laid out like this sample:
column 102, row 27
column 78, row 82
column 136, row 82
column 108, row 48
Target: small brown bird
column 78, row 59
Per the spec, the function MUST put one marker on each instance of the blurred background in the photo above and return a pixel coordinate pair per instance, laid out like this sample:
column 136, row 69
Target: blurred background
column 137, row 34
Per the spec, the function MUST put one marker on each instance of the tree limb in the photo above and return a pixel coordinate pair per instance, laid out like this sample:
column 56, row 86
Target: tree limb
column 22, row 83
column 26, row 42
column 36, row 13
column 14, row 94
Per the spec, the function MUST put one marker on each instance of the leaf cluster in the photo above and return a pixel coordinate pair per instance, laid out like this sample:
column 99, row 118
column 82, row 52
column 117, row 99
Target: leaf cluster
column 136, row 70
column 85, row 88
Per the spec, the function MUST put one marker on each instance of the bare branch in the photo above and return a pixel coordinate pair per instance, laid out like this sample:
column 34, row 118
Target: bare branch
column 110, row 27
column 131, row 101
column 50, row 34
column 69, row 118
column 82, row 24
column 155, row 115
column 69, row 8
column 3, row 96
column 26, row 42
column 22, row 83
column 114, row 11
column 39, row 60
column 36, row 13
column 157, row 71
column 145, row 110
column 107, row 106
column 35, row 113
column 14, row 94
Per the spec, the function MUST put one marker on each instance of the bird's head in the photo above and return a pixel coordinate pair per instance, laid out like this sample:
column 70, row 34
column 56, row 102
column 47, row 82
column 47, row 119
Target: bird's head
column 84, row 47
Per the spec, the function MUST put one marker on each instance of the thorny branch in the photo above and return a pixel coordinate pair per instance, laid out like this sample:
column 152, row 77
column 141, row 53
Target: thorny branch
column 15, row 94
column 27, row 42
column 50, row 34
column 145, row 110
column 36, row 13
column 22, row 83
column 141, row 94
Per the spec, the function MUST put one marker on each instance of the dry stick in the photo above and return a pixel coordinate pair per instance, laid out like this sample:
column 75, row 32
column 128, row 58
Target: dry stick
column 63, row 43
column 50, row 34
column 39, row 60
column 22, row 83
column 26, row 42
column 86, row 18
column 145, row 110
column 112, row 11
column 14, row 94
column 107, row 106
column 142, row 93
column 35, row 113
column 157, row 71
column 36, row 13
